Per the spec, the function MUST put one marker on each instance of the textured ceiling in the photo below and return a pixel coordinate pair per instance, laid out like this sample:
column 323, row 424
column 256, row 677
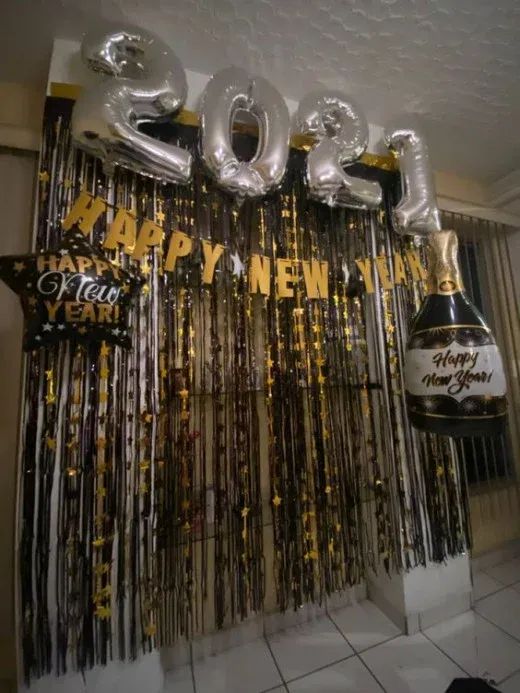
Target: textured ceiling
column 454, row 62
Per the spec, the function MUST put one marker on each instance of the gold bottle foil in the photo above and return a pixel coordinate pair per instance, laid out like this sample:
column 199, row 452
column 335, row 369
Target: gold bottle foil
column 444, row 275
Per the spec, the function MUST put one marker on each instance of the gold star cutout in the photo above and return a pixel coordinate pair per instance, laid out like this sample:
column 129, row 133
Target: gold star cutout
column 103, row 612
column 146, row 289
column 277, row 501
column 44, row 177
column 150, row 630
column 104, row 373
column 160, row 217
column 184, row 394
column 126, row 288
column 19, row 266
column 105, row 350
column 51, row 443
column 103, row 397
column 145, row 269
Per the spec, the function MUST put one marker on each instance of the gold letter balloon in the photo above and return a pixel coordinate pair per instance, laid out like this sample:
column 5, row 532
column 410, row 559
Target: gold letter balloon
column 106, row 116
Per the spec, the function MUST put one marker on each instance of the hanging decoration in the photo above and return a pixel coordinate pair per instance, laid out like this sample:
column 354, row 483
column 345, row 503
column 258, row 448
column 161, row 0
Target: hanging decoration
column 72, row 292
column 341, row 131
column 107, row 115
column 229, row 91
column 455, row 381
column 417, row 212
column 252, row 445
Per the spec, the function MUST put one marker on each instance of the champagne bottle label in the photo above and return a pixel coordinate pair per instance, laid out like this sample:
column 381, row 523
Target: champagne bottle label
column 472, row 377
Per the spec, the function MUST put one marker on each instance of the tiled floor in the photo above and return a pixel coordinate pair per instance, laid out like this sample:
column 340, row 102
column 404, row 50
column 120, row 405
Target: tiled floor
column 358, row 650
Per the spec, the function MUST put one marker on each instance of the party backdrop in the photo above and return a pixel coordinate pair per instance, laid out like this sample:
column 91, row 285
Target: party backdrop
column 254, row 438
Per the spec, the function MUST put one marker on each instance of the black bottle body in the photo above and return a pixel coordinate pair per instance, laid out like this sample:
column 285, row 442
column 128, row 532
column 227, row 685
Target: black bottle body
column 455, row 383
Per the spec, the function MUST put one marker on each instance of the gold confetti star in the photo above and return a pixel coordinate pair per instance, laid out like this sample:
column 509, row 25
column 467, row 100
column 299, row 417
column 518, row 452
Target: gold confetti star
column 277, row 501
column 105, row 350
column 44, row 177
column 51, row 443
column 19, row 266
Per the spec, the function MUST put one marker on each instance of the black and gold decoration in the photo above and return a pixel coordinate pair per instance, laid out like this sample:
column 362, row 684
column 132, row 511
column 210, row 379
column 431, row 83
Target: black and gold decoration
column 73, row 292
column 254, row 438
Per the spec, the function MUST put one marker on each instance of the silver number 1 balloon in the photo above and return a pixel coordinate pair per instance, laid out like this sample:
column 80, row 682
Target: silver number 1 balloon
column 341, row 130
column 417, row 212
column 146, row 83
column 229, row 91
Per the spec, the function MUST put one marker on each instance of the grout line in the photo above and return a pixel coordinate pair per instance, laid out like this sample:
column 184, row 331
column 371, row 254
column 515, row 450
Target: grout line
column 372, row 673
column 325, row 666
column 275, row 663
column 513, row 673
column 500, row 589
column 383, row 642
column 370, row 647
column 448, row 656
column 497, row 626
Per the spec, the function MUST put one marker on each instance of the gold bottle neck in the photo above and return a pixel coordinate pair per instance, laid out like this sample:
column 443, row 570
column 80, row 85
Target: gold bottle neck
column 444, row 276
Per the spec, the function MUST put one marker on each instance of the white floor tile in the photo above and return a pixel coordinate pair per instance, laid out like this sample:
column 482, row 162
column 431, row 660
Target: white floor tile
column 512, row 685
column 411, row 664
column 304, row 648
column 364, row 625
column 484, row 584
column 477, row 646
column 506, row 573
column 503, row 609
column 350, row 676
column 245, row 669
column 179, row 680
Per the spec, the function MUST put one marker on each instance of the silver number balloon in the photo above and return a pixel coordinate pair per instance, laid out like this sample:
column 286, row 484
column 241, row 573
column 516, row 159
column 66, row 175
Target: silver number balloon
column 146, row 83
column 417, row 212
column 229, row 91
column 342, row 133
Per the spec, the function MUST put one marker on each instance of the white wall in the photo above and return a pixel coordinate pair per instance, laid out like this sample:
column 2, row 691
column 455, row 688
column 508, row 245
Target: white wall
column 17, row 179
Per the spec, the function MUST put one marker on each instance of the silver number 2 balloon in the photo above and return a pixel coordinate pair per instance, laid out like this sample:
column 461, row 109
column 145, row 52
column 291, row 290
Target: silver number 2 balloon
column 229, row 91
column 417, row 212
column 147, row 82
column 341, row 130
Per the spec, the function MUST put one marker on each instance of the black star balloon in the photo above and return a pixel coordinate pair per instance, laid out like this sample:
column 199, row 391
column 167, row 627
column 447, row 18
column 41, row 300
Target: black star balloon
column 72, row 292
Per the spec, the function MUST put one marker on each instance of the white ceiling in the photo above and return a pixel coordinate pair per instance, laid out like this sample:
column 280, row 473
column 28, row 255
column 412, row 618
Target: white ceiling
column 454, row 62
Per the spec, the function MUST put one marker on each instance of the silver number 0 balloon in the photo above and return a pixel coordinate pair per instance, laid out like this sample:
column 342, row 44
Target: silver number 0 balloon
column 229, row 91
column 106, row 117
column 342, row 133
column 417, row 212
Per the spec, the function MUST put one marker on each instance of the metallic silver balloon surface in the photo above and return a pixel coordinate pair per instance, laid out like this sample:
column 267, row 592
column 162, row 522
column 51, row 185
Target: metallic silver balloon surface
column 146, row 83
column 229, row 91
column 417, row 212
column 342, row 133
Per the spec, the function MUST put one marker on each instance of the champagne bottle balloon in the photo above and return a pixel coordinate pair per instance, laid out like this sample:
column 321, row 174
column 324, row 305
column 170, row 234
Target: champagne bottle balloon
column 454, row 376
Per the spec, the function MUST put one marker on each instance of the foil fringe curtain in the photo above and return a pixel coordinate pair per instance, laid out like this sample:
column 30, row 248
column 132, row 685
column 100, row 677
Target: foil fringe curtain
column 245, row 445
